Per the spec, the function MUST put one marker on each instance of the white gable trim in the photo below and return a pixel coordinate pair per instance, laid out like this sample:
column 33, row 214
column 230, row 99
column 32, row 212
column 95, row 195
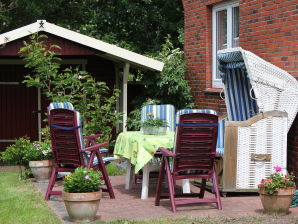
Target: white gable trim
column 113, row 51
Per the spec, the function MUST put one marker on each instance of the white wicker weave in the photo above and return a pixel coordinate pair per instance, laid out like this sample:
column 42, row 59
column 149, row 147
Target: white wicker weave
column 258, row 138
column 276, row 97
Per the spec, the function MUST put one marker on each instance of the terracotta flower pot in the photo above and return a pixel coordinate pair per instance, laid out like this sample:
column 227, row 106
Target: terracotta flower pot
column 41, row 170
column 279, row 202
column 82, row 207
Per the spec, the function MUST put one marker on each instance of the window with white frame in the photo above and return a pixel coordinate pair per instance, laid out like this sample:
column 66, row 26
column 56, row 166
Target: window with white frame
column 225, row 33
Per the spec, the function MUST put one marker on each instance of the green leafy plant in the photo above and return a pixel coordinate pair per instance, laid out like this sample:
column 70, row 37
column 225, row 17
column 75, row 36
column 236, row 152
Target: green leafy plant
column 15, row 155
column 39, row 150
column 93, row 99
column 83, row 180
column 154, row 122
column 276, row 181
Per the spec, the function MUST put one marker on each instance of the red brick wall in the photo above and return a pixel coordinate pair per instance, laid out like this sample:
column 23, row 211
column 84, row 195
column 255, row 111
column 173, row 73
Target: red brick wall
column 267, row 28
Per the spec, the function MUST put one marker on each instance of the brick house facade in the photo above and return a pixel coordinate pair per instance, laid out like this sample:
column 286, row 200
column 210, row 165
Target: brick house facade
column 267, row 28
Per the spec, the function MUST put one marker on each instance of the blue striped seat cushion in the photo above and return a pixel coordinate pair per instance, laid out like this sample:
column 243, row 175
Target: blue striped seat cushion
column 165, row 112
column 107, row 159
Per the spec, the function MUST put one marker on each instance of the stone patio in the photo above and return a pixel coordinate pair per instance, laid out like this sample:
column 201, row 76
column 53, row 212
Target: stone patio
column 128, row 205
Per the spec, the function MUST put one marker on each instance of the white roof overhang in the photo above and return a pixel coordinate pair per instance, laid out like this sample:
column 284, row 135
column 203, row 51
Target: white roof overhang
column 110, row 51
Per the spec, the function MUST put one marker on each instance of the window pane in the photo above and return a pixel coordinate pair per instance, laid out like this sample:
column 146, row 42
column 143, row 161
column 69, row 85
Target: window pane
column 235, row 25
column 221, row 20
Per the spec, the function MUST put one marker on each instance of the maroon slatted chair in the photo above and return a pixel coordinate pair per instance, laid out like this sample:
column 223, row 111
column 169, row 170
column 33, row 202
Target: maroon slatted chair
column 195, row 150
column 68, row 151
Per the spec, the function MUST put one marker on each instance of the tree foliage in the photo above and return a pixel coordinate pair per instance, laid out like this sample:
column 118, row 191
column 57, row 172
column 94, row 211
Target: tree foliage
column 139, row 25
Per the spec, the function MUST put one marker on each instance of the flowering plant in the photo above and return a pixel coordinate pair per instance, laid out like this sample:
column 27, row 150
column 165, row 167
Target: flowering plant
column 276, row 181
column 39, row 150
column 83, row 180
column 151, row 122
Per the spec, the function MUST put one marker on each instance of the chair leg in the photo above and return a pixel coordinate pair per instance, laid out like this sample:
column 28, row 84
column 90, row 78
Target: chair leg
column 51, row 183
column 159, row 183
column 202, row 191
column 216, row 190
column 105, row 176
column 170, row 184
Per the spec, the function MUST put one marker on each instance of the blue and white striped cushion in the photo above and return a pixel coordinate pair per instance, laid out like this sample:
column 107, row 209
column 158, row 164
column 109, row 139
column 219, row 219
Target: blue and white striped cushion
column 105, row 160
column 65, row 105
column 240, row 105
column 165, row 112
column 221, row 136
column 190, row 111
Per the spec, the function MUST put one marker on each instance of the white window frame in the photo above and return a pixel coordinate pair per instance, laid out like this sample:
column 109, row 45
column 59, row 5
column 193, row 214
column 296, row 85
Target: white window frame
column 217, row 83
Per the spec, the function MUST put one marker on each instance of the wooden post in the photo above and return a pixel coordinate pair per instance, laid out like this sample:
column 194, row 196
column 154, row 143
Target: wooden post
column 124, row 94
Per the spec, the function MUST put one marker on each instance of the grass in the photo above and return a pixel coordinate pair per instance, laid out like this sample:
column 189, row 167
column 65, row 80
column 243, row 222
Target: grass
column 114, row 170
column 20, row 203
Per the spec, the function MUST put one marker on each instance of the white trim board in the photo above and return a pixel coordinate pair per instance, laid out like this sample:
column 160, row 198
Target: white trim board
column 113, row 51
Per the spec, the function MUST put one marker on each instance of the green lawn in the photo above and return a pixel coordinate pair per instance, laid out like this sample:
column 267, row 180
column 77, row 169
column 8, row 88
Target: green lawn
column 20, row 203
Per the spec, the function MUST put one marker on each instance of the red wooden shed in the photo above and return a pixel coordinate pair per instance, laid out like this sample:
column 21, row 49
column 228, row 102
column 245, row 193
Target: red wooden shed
column 18, row 103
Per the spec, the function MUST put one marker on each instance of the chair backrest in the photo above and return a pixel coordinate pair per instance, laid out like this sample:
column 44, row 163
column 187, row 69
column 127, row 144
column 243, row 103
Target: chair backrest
column 68, row 105
column 66, row 143
column 221, row 125
column 195, row 142
column 165, row 112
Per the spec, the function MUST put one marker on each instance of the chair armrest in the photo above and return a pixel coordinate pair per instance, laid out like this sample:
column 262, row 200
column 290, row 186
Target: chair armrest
column 166, row 152
column 93, row 136
column 95, row 147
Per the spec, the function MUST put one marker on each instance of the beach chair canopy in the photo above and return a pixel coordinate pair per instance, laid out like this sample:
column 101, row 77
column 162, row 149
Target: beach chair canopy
column 253, row 85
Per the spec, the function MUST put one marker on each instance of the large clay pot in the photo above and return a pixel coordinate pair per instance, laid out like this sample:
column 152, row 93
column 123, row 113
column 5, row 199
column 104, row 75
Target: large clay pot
column 82, row 207
column 41, row 170
column 279, row 202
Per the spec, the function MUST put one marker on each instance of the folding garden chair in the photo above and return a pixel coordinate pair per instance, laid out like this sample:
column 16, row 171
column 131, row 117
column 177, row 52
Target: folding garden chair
column 193, row 157
column 68, row 147
column 165, row 112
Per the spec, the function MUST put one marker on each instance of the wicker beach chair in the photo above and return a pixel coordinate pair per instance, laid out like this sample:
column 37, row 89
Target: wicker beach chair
column 262, row 102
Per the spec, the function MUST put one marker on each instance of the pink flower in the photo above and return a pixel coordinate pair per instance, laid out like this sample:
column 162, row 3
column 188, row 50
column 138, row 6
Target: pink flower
column 277, row 168
column 87, row 177
column 79, row 77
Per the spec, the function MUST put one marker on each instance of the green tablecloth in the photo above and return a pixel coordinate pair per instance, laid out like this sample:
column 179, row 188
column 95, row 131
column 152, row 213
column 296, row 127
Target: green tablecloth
column 140, row 148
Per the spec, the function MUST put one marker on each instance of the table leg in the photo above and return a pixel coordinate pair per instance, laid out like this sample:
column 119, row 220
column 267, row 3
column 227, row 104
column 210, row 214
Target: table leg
column 129, row 176
column 186, row 186
column 145, row 183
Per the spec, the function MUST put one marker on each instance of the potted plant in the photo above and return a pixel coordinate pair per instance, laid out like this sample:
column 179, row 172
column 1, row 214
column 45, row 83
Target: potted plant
column 39, row 155
column 277, row 191
column 154, row 126
column 82, row 194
